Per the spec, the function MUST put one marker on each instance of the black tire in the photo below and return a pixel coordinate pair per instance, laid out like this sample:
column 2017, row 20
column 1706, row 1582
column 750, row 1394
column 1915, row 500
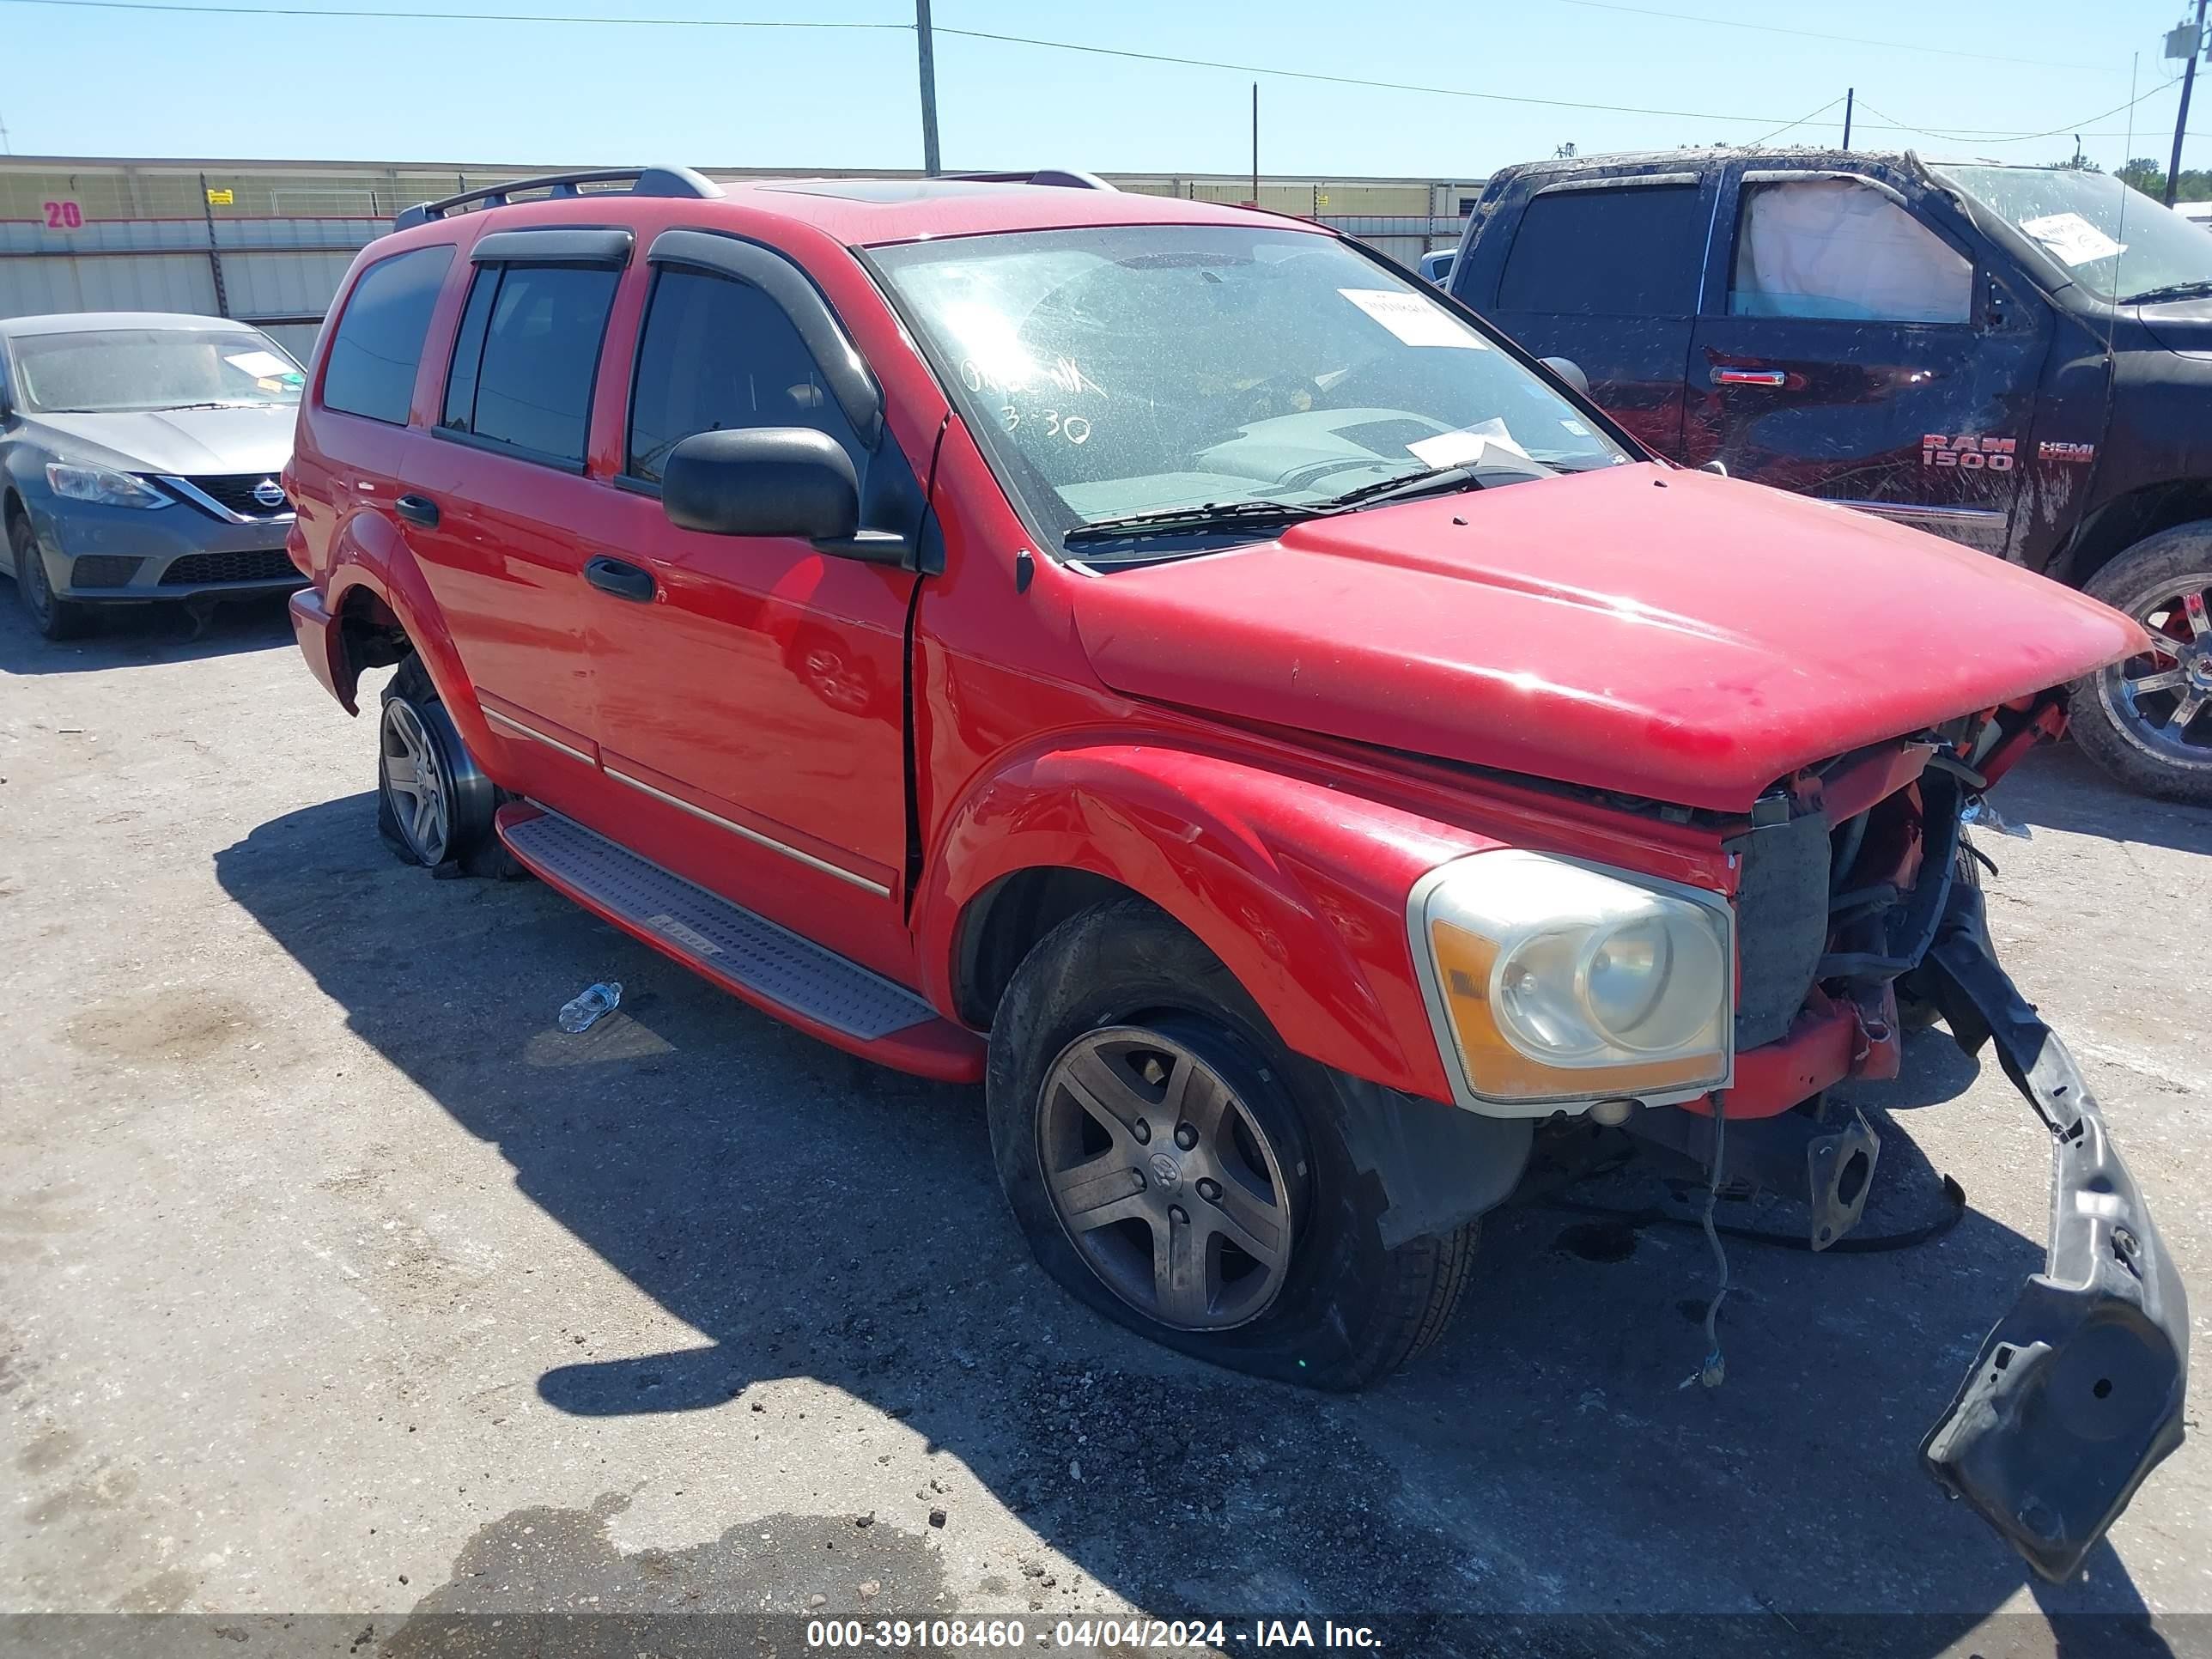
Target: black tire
column 2119, row 724
column 465, row 796
column 56, row 619
column 1348, row 1309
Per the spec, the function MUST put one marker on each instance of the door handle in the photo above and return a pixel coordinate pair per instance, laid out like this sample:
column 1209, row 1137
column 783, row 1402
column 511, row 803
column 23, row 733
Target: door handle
column 1750, row 377
column 417, row 509
column 620, row 578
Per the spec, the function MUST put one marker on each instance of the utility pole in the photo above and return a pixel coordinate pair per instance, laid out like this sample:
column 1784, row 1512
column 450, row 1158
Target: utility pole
column 1255, row 140
column 1851, row 97
column 2181, row 121
column 930, row 165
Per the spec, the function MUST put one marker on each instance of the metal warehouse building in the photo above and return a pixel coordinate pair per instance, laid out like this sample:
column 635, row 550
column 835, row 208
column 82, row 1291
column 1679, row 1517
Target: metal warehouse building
column 268, row 241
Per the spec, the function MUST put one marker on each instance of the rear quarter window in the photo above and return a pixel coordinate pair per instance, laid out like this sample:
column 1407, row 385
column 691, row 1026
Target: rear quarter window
column 1632, row 251
column 378, row 343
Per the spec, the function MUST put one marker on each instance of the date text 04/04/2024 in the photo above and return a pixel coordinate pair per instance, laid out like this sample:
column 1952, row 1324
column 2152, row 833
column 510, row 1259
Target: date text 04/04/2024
column 1196, row 1635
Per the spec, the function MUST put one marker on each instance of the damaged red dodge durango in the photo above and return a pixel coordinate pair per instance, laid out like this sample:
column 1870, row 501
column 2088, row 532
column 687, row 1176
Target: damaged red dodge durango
column 1165, row 663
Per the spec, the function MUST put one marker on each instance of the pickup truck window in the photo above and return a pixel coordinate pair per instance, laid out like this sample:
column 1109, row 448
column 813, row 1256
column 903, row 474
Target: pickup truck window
column 1828, row 247
column 379, row 343
column 1145, row 369
column 524, row 361
column 718, row 354
column 1634, row 251
column 2094, row 230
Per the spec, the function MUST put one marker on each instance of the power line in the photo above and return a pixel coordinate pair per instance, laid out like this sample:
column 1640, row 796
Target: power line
column 2066, row 128
column 454, row 16
column 1129, row 54
column 1802, row 120
column 1814, row 34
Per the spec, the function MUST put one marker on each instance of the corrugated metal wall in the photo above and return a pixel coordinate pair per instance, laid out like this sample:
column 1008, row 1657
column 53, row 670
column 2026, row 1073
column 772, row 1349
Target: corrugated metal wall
column 145, row 236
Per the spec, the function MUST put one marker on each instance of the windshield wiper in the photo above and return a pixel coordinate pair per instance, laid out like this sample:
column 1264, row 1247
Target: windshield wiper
column 1432, row 481
column 1174, row 520
column 2194, row 290
column 173, row 409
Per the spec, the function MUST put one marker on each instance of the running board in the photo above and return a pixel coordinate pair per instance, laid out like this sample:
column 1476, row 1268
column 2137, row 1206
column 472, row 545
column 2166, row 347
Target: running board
column 753, row 958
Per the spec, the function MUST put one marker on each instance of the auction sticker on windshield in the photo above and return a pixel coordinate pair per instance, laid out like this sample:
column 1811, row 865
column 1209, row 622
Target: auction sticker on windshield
column 1413, row 320
column 2072, row 239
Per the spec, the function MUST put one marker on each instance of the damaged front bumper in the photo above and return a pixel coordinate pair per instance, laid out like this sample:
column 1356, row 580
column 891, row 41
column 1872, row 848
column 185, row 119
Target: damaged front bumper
column 2077, row 1394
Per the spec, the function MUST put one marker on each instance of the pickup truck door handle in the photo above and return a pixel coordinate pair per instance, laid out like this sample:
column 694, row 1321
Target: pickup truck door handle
column 620, row 578
column 417, row 509
column 1724, row 376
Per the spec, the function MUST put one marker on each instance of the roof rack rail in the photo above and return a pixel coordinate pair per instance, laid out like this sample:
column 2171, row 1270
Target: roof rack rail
column 1066, row 178
column 643, row 181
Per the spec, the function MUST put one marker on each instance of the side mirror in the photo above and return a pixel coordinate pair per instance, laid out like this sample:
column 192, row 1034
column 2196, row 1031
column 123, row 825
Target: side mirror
column 762, row 481
column 773, row 480
column 1570, row 371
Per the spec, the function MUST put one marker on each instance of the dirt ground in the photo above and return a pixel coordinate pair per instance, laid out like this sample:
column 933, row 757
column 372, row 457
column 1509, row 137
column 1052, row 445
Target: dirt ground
column 334, row 1279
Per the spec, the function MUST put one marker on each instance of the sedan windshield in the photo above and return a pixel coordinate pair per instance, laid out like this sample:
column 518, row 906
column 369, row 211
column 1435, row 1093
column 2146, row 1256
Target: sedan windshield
column 110, row 370
column 1221, row 380
column 2114, row 242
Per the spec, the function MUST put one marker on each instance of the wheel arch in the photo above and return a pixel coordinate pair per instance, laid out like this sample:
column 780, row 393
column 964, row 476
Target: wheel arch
column 1298, row 889
column 382, row 609
column 2117, row 525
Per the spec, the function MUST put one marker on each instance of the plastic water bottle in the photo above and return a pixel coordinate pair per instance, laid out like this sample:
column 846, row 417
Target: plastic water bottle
column 584, row 1011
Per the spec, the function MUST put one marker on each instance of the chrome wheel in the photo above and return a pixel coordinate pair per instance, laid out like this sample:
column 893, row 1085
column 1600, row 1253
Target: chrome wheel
column 2164, row 695
column 1168, row 1182
column 414, row 781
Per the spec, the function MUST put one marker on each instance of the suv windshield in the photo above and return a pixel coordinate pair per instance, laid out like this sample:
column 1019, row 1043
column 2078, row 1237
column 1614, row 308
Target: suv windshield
column 2115, row 241
column 1163, row 370
column 109, row 370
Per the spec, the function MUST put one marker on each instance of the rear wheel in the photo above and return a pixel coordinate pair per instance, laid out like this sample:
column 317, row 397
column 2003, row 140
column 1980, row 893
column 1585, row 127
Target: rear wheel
column 2149, row 720
column 56, row 619
column 433, row 802
column 1180, row 1171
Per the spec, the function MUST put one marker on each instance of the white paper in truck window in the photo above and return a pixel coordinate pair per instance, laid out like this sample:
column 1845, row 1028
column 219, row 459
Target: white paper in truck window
column 263, row 364
column 1466, row 447
column 2072, row 239
column 1413, row 320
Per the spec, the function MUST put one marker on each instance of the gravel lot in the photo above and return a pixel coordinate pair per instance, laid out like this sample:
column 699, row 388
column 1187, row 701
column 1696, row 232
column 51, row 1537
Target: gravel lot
column 334, row 1278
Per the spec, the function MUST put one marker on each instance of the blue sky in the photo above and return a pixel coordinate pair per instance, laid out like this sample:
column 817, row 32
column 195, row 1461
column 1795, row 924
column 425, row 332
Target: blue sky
column 148, row 83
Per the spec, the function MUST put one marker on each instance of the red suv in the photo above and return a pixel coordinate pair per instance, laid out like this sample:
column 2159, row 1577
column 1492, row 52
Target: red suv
column 1170, row 665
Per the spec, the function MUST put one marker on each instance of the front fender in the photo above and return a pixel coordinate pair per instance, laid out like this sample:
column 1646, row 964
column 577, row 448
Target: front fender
column 1299, row 889
column 368, row 554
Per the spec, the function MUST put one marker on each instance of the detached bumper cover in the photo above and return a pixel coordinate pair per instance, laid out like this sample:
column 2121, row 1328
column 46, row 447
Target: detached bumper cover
column 2077, row 1394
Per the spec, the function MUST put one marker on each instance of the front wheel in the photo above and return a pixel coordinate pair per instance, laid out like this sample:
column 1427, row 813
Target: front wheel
column 2149, row 720
column 57, row 618
column 434, row 804
column 1177, row 1169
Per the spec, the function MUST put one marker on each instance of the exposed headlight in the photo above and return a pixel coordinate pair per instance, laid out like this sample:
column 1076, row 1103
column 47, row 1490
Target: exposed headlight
column 103, row 484
column 1552, row 985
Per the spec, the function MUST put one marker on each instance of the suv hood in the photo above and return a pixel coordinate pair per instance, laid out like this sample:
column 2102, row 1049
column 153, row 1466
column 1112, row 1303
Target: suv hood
column 182, row 441
column 1665, row 634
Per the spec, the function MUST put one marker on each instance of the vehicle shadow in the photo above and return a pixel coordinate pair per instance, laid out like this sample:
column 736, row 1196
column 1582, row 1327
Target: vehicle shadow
column 1539, row 1469
column 135, row 635
column 2057, row 786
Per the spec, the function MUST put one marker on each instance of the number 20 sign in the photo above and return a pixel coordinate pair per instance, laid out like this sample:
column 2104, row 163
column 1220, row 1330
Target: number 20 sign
column 62, row 216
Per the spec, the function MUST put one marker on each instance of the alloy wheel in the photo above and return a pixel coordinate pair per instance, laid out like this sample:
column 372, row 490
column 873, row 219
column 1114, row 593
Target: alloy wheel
column 2164, row 694
column 415, row 781
column 1169, row 1182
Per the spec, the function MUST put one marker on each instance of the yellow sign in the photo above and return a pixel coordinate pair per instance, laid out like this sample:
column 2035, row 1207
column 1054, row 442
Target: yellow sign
column 219, row 197
column 1321, row 201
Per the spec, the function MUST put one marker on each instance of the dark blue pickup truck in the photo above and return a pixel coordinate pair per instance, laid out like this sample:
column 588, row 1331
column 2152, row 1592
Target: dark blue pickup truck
column 2017, row 358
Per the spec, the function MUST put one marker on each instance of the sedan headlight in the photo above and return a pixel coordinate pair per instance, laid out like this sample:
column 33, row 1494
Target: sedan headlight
column 1553, row 985
column 103, row 484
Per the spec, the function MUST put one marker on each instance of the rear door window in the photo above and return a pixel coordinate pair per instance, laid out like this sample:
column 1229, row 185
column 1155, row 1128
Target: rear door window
column 378, row 343
column 1838, row 249
column 1631, row 251
column 716, row 355
column 526, row 358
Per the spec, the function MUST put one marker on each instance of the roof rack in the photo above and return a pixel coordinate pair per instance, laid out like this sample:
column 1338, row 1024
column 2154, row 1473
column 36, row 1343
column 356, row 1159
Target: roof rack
column 643, row 181
column 1066, row 177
